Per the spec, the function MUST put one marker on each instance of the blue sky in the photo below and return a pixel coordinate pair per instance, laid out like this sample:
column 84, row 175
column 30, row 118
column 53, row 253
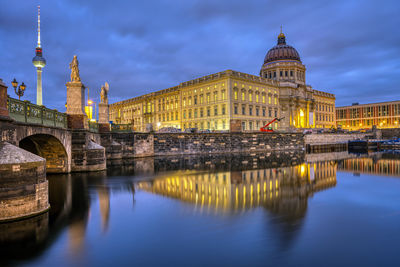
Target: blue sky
column 350, row 48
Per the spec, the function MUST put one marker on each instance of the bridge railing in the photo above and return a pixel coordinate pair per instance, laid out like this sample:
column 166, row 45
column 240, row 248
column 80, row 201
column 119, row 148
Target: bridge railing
column 25, row 111
column 93, row 127
column 121, row 128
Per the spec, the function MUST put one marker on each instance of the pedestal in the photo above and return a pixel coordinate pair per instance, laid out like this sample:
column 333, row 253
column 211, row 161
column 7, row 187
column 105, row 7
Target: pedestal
column 104, row 118
column 77, row 118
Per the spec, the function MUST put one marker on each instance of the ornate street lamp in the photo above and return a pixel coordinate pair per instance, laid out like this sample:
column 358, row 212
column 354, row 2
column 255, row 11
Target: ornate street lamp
column 21, row 89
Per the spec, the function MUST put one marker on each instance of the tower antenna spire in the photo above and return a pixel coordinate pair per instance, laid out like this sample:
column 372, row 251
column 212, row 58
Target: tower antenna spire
column 39, row 62
column 281, row 28
column 38, row 27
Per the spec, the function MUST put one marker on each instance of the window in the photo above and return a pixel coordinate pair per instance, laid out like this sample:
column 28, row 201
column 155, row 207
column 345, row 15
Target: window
column 208, row 112
column 184, row 102
column 201, row 113
column 243, row 96
column 223, row 95
column 208, row 125
column 243, row 110
column 286, row 73
column 190, row 114
column 251, row 111
column 215, row 110
column 275, row 100
column 215, row 96
column 235, row 108
column 263, row 112
column 257, row 98
column 263, row 99
column 195, row 113
column 223, row 109
column 250, row 125
column 195, row 100
column 257, row 112
column 243, row 126
column 281, row 73
column 190, row 101
column 291, row 73
column 250, row 97
column 276, row 113
column 269, row 112
column 201, row 99
column 176, row 116
column 223, row 125
column 274, row 74
column 208, row 98
column 269, row 99
column 235, row 94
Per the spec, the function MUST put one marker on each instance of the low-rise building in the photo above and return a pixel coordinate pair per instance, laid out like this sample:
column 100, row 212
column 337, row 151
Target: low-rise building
column 364, row 116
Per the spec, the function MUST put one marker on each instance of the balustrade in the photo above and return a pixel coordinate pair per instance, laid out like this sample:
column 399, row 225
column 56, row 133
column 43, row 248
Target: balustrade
column 25, row 111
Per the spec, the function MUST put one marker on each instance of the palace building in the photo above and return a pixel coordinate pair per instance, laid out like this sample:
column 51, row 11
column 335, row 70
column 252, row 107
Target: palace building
column 230, row 99
column 364, row 116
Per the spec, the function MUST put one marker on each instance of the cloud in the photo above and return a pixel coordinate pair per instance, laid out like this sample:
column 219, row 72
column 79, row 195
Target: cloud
column 350, row 48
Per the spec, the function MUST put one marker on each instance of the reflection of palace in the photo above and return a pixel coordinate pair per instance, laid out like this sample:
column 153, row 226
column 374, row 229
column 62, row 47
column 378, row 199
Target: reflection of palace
column 381, row 166
column 228, row 190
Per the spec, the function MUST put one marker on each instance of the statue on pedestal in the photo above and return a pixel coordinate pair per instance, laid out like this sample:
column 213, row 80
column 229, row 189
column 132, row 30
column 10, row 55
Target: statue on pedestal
column 104, row 93
column 74, row 70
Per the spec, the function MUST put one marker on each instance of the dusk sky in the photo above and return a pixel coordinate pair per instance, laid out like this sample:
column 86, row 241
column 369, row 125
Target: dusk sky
column 350, row 48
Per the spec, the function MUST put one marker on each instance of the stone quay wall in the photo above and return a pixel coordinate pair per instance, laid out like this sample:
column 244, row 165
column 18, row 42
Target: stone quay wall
column 390, row 133
column 334, row 138
column 163, row 144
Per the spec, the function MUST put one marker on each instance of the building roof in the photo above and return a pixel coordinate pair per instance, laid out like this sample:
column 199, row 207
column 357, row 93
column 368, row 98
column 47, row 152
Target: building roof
column 281, row 51
column 370, row 104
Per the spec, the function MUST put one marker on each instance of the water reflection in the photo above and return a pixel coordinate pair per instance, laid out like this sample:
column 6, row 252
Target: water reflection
column 280, row 184
column 240, row 190
column 376, row 163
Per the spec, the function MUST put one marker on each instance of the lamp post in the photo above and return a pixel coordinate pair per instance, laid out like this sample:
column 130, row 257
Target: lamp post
column 21, row 89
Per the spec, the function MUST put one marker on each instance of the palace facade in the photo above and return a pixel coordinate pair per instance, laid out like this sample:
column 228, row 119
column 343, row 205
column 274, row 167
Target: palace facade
column 232, row 99
column 382, row 115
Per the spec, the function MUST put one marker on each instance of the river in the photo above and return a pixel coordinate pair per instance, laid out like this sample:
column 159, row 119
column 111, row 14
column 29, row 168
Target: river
column 245, row 210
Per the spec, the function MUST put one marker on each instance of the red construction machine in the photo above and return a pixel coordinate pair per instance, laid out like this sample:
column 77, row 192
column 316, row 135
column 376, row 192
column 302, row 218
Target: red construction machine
column 269, row 129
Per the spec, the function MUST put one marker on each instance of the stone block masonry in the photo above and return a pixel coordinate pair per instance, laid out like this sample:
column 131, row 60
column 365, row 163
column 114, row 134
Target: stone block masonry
column 161, row 144
column 23, row 184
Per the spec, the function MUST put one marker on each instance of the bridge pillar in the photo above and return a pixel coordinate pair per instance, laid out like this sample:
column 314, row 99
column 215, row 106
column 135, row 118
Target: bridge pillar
column 77, row 118
column 3, row 101
column 104, row 118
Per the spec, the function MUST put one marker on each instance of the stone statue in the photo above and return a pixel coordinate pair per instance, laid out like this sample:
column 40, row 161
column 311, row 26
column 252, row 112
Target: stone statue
column 104, row 93
column 74, row 70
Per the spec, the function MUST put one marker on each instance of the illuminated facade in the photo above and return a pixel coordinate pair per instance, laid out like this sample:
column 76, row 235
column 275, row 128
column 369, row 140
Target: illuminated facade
column 383, row 166
column 383, row 115
column 233, row 190
column 215, row 101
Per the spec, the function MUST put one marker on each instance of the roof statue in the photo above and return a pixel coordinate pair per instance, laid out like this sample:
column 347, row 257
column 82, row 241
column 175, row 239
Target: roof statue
column 74, row 70
column 104, row 93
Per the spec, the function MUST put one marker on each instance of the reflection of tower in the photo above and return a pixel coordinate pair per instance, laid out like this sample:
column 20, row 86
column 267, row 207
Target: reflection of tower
column 39, row 62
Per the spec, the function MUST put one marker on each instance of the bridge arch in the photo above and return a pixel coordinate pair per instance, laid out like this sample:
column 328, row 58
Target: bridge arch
column 49, row 147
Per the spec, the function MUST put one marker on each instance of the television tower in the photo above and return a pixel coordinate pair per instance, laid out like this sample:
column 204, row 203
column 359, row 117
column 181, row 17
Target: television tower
column 39, row 62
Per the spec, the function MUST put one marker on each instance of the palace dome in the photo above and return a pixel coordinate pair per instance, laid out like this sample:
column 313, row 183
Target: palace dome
column 282, row 51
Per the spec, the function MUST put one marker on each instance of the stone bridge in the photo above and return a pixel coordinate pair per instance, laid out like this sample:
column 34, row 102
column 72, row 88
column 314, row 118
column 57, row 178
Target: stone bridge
column 51, row 143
